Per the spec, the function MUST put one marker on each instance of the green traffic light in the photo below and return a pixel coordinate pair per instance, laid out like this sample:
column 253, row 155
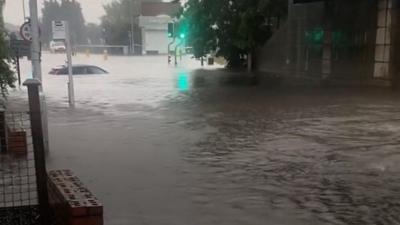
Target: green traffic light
column 182, row 36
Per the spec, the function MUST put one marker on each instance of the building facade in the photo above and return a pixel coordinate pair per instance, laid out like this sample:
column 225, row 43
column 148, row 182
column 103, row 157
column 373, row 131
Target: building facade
column 337, row 41
column 153, row 23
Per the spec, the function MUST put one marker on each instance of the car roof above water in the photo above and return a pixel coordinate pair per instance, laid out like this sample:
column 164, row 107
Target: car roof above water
column 75, row 65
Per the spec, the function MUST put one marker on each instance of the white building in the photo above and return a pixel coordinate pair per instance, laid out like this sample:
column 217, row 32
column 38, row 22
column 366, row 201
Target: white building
column 153, row 23
column 155, row 38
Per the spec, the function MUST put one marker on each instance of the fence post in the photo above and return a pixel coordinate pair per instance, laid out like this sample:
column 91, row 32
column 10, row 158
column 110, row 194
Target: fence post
column 38, row 149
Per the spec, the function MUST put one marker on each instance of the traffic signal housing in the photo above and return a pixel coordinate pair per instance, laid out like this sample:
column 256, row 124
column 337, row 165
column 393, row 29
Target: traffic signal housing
column 171, row 30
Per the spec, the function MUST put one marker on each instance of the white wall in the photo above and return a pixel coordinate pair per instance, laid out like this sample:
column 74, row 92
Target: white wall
column 156, row 40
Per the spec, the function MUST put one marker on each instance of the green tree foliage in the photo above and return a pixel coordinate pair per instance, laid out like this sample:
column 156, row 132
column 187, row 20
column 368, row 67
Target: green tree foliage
column 94, row 33
column 68, row 10
column 117, row 22
column 7, row 77
column 233, row 29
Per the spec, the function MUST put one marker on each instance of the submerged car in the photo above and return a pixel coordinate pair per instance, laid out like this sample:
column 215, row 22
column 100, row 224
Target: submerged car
column 78, row 70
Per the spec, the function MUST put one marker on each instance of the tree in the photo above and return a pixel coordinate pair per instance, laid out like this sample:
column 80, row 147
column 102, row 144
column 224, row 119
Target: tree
column 117, row 22
column 7, row 77
column 68, row 10
column 121, row 16
column 94, row 34
column 201, row 32
column 234, row 29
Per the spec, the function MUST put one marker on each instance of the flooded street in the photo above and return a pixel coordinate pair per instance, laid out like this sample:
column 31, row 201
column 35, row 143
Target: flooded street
column 161, row 145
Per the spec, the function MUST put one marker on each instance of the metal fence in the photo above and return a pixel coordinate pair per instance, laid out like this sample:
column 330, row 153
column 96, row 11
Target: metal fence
column 18, row 188
column 23, row 177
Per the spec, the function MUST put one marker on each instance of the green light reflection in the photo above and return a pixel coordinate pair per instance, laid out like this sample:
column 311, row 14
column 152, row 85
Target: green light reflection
column 183, row 82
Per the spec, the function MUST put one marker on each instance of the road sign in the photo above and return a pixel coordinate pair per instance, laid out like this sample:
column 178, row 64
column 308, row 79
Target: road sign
column 26, row 32
column 20, row 48
column 59, row 30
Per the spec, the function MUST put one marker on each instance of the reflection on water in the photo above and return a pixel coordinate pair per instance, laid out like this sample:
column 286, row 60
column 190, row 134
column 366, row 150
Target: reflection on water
column 293, row 156
column 183, row 82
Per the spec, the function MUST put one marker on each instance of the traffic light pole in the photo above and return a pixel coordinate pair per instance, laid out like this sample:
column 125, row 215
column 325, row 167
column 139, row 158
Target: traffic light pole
column 169, row 50
column 176, row 50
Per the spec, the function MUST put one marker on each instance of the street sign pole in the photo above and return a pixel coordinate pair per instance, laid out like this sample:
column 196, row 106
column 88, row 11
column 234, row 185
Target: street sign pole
column 71, row 93
column 61, row 32
column 35, row 48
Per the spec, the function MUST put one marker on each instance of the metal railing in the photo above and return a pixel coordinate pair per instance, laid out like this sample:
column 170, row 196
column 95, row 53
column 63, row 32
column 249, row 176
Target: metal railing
column 23, row 176
column 18, row 187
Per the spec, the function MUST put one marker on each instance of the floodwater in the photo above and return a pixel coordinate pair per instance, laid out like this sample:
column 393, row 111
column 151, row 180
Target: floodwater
column 166, row 146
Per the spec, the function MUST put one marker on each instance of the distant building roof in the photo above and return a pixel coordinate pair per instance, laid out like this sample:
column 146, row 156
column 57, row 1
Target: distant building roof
column 160, row 8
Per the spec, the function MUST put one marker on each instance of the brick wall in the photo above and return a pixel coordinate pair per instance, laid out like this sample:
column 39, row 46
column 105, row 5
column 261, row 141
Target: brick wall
column 17, row 142
column 71, row 202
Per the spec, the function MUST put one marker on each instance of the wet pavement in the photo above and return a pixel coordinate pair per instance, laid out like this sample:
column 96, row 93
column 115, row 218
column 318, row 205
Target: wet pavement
column 166, row 146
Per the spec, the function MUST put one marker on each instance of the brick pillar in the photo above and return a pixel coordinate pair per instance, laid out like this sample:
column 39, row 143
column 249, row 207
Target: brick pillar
column 383, row 44
column 394, row 68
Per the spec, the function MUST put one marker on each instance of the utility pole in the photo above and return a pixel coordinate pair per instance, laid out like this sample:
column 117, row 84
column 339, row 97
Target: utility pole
column 35, row 48
column 176, row 51
column 23, row 9
column 36, row 64
column 130, row 40
column 132, row 36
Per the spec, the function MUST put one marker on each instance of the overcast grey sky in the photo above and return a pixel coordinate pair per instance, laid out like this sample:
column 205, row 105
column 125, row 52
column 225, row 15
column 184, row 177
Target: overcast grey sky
column 92, row 10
